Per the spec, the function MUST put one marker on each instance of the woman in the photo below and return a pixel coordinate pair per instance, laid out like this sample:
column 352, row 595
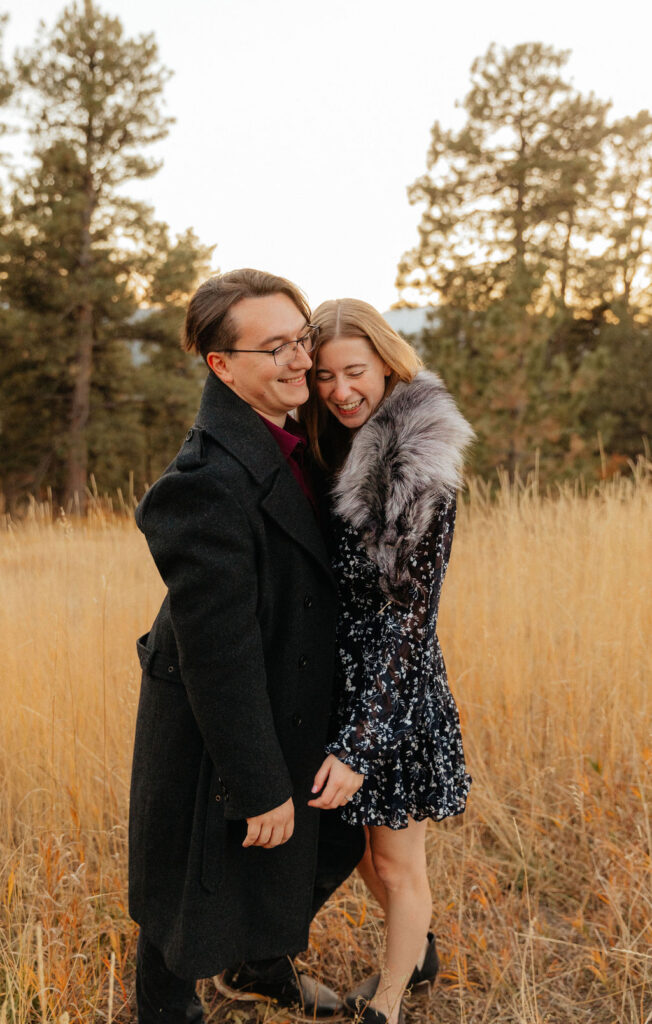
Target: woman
column 393, row 440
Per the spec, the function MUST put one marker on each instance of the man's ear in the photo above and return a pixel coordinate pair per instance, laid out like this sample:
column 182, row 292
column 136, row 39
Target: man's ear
column 217, row 363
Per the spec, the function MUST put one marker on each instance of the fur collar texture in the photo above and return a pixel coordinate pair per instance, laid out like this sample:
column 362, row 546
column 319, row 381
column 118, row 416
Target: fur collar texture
column 403, row 462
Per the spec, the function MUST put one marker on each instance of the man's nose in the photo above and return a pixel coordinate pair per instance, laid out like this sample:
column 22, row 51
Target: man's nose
column 301, row 359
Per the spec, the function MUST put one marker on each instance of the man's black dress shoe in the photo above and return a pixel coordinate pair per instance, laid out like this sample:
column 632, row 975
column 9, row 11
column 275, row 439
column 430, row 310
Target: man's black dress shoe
column 363, row 993
column 298, row 990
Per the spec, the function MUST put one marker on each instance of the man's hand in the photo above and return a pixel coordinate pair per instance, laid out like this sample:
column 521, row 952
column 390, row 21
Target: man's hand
column 271, row 828
column 339, row 783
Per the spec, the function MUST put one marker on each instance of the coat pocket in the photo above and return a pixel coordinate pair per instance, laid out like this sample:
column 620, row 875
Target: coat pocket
column 157, row 664
column 213, row 853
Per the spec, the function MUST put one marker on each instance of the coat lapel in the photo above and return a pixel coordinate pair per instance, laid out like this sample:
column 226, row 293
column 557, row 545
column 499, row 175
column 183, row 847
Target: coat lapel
column 239, row 429
column 284, row 503
column 236, row 427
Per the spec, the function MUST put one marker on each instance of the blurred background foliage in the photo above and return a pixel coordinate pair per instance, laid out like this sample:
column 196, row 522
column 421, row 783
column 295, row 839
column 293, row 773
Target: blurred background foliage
column 93, row 287
column 533, row 256
column 534, row 252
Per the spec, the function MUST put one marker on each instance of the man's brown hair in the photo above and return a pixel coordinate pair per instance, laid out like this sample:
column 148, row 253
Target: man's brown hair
column 209, row 326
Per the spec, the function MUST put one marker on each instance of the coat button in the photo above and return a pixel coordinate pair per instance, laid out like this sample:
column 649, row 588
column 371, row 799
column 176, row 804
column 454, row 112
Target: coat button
column 189, row 434
column 307, row 601
column 297, row 720
column 303, row 661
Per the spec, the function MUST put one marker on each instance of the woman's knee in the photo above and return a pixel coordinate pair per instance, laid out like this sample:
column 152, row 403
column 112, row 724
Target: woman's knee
column 397, row 873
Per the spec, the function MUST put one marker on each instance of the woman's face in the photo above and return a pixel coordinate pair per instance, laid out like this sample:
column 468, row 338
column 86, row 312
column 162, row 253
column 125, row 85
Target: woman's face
column 351, row 379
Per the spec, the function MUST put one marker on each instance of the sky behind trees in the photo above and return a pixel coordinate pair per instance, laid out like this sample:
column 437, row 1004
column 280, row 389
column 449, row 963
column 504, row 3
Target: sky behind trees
column 300, row 124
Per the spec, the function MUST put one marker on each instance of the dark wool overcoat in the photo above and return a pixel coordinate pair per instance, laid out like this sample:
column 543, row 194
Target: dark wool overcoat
column 235, row 702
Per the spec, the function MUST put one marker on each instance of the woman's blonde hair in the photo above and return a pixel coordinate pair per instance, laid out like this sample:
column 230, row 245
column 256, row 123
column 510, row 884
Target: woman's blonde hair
column 350, row 318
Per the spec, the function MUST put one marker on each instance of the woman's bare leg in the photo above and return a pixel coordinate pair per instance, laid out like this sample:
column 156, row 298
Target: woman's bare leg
column 377, row 889
column 370, row 876
column 399, row 860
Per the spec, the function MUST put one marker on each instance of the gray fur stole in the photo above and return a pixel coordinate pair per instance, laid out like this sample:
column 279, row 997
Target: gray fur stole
column 403, row 462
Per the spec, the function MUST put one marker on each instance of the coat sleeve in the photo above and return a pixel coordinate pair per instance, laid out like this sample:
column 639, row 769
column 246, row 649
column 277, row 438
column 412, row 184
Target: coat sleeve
column 203, row 546
column 378, row 711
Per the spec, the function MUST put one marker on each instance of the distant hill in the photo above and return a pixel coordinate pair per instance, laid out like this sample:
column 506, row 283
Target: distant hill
column 409, row 320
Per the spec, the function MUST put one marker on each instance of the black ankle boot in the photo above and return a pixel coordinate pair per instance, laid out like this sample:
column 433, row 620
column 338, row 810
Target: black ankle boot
column 427, row 973
column 424, row 975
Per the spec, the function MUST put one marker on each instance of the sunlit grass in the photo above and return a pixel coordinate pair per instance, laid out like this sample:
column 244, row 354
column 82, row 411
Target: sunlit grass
column 541, row 891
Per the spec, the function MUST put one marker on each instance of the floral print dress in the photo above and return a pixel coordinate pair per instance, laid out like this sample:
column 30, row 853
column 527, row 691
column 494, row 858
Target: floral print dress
column 396, row 720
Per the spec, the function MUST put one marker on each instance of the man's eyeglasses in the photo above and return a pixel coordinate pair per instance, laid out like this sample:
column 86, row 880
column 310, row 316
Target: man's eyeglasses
column 286, row 352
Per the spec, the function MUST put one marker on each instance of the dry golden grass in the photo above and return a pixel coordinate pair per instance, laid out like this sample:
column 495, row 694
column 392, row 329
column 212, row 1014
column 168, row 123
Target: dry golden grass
column 541, row 896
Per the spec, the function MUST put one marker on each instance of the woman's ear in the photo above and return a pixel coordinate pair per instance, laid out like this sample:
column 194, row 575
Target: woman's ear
column 217, row 363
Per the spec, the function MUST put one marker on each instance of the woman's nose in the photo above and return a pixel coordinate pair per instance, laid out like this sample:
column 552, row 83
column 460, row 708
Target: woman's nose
column 340, row 391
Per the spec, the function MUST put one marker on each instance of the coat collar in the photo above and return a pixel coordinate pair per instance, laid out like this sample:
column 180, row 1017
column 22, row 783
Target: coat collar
column 240, row 430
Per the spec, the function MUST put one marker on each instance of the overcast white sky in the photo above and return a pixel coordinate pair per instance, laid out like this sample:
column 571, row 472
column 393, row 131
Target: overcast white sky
column 299, row 123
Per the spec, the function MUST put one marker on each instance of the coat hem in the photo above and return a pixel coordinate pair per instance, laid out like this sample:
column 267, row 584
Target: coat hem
column 195, row 969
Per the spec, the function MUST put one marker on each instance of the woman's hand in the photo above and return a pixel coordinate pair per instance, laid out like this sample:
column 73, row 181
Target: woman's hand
column 338, row 783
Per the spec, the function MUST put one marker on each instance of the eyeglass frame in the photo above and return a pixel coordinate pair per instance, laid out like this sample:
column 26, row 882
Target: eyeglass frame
column 313, row 334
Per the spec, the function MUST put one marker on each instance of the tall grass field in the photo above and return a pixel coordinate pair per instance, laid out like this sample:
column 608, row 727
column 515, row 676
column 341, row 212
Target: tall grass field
column 542, row 902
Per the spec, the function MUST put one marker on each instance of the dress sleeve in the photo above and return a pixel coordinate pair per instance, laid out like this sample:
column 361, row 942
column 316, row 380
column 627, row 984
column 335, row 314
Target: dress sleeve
column 378, row 711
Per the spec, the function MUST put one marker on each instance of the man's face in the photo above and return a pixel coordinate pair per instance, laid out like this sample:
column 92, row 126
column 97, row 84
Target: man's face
column 263, row 324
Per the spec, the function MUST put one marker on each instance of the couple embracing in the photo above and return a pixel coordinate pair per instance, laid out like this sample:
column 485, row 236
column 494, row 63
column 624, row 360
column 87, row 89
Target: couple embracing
column 294, row 720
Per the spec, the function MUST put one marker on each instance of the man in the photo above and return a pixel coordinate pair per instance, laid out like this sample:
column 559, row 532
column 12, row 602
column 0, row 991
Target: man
column 227, row 862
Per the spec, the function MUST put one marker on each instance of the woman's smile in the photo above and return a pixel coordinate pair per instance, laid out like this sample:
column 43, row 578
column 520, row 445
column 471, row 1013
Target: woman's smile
column 349, row 408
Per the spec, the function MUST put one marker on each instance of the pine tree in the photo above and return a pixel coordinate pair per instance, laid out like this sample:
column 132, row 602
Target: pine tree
column 167, row 382
column 503, row 195
column 507, row 227
column 138, row 366
column 94, row 101
column 624, row 268
column 93, row 288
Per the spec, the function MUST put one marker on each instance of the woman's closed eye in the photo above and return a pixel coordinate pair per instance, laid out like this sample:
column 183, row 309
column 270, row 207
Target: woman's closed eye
column 326, row 377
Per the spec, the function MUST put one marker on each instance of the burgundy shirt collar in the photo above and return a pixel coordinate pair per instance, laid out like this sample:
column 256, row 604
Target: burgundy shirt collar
column 291, row 439
column 288, row 436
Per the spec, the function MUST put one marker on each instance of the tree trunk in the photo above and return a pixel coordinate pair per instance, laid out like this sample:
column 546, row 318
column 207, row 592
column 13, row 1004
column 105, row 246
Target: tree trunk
column 519, row 216
column 77, row 462
column 565, row 262
column 77, row 459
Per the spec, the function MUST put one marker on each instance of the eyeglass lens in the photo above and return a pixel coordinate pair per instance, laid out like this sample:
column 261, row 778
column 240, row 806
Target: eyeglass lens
column 286, row 353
